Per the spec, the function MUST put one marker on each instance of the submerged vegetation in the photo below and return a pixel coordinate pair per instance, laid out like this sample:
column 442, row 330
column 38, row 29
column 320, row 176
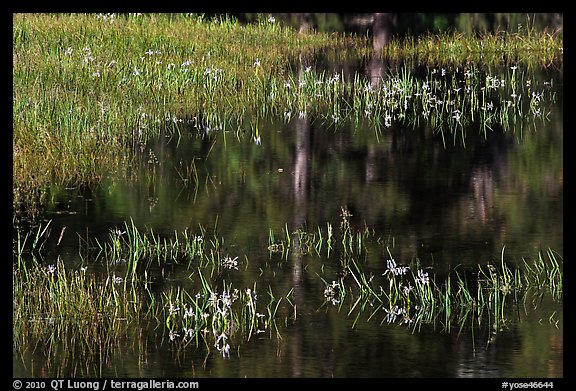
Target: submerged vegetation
column 413, row 296
column 101, row 305
column 52, row 303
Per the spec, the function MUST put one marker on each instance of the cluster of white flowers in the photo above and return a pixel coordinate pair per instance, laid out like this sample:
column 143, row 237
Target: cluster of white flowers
column 387, row 120
column 422, row 277
column 214, row 72
column 395, row 269
column 230, row 263
column 395, row 312
column 332, row 291
column 108, row 17
column 87, row 58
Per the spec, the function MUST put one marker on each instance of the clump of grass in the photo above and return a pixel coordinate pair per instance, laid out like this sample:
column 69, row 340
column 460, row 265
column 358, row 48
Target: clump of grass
column 529, row 47
column 451, row 100
column 139, row 250
column 545, row 274
column 223, row 316
column 30, row 242
column 215, row 317
column 350, row 242
column 54, row 306
column 412, row 296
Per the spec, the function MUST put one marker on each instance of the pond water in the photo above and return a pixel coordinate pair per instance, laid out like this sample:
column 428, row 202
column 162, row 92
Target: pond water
column 443, row 203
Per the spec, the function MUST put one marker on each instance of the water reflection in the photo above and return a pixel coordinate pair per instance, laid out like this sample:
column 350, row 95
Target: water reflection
column 377, row 67
column 453, row 204
column 326, row 345
column 444, row 203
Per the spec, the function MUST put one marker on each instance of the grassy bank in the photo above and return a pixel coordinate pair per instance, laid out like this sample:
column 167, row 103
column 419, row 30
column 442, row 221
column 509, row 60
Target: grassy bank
column 90, row 89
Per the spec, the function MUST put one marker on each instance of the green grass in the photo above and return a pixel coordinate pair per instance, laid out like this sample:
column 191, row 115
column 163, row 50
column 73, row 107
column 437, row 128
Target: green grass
column 90, row 308
column 528, row 47
column 71, row 311
column 89, row 89
column 320, row 242
column 413, row 296
column 216, row 316
column 139, row 250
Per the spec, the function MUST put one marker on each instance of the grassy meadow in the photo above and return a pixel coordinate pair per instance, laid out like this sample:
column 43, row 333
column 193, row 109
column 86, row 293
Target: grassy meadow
column 89, row 89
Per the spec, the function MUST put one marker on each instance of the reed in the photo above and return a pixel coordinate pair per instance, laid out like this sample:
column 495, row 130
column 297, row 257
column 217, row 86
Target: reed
column 530, row 47
column 141, row 249
column 53, row 305
column 409, row 295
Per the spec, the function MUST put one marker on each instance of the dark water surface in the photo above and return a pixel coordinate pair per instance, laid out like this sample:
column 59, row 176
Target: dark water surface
column 445, row 205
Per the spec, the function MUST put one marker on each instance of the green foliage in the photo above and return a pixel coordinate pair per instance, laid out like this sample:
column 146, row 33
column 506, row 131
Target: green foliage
column 89, row 89
column 409, row 295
